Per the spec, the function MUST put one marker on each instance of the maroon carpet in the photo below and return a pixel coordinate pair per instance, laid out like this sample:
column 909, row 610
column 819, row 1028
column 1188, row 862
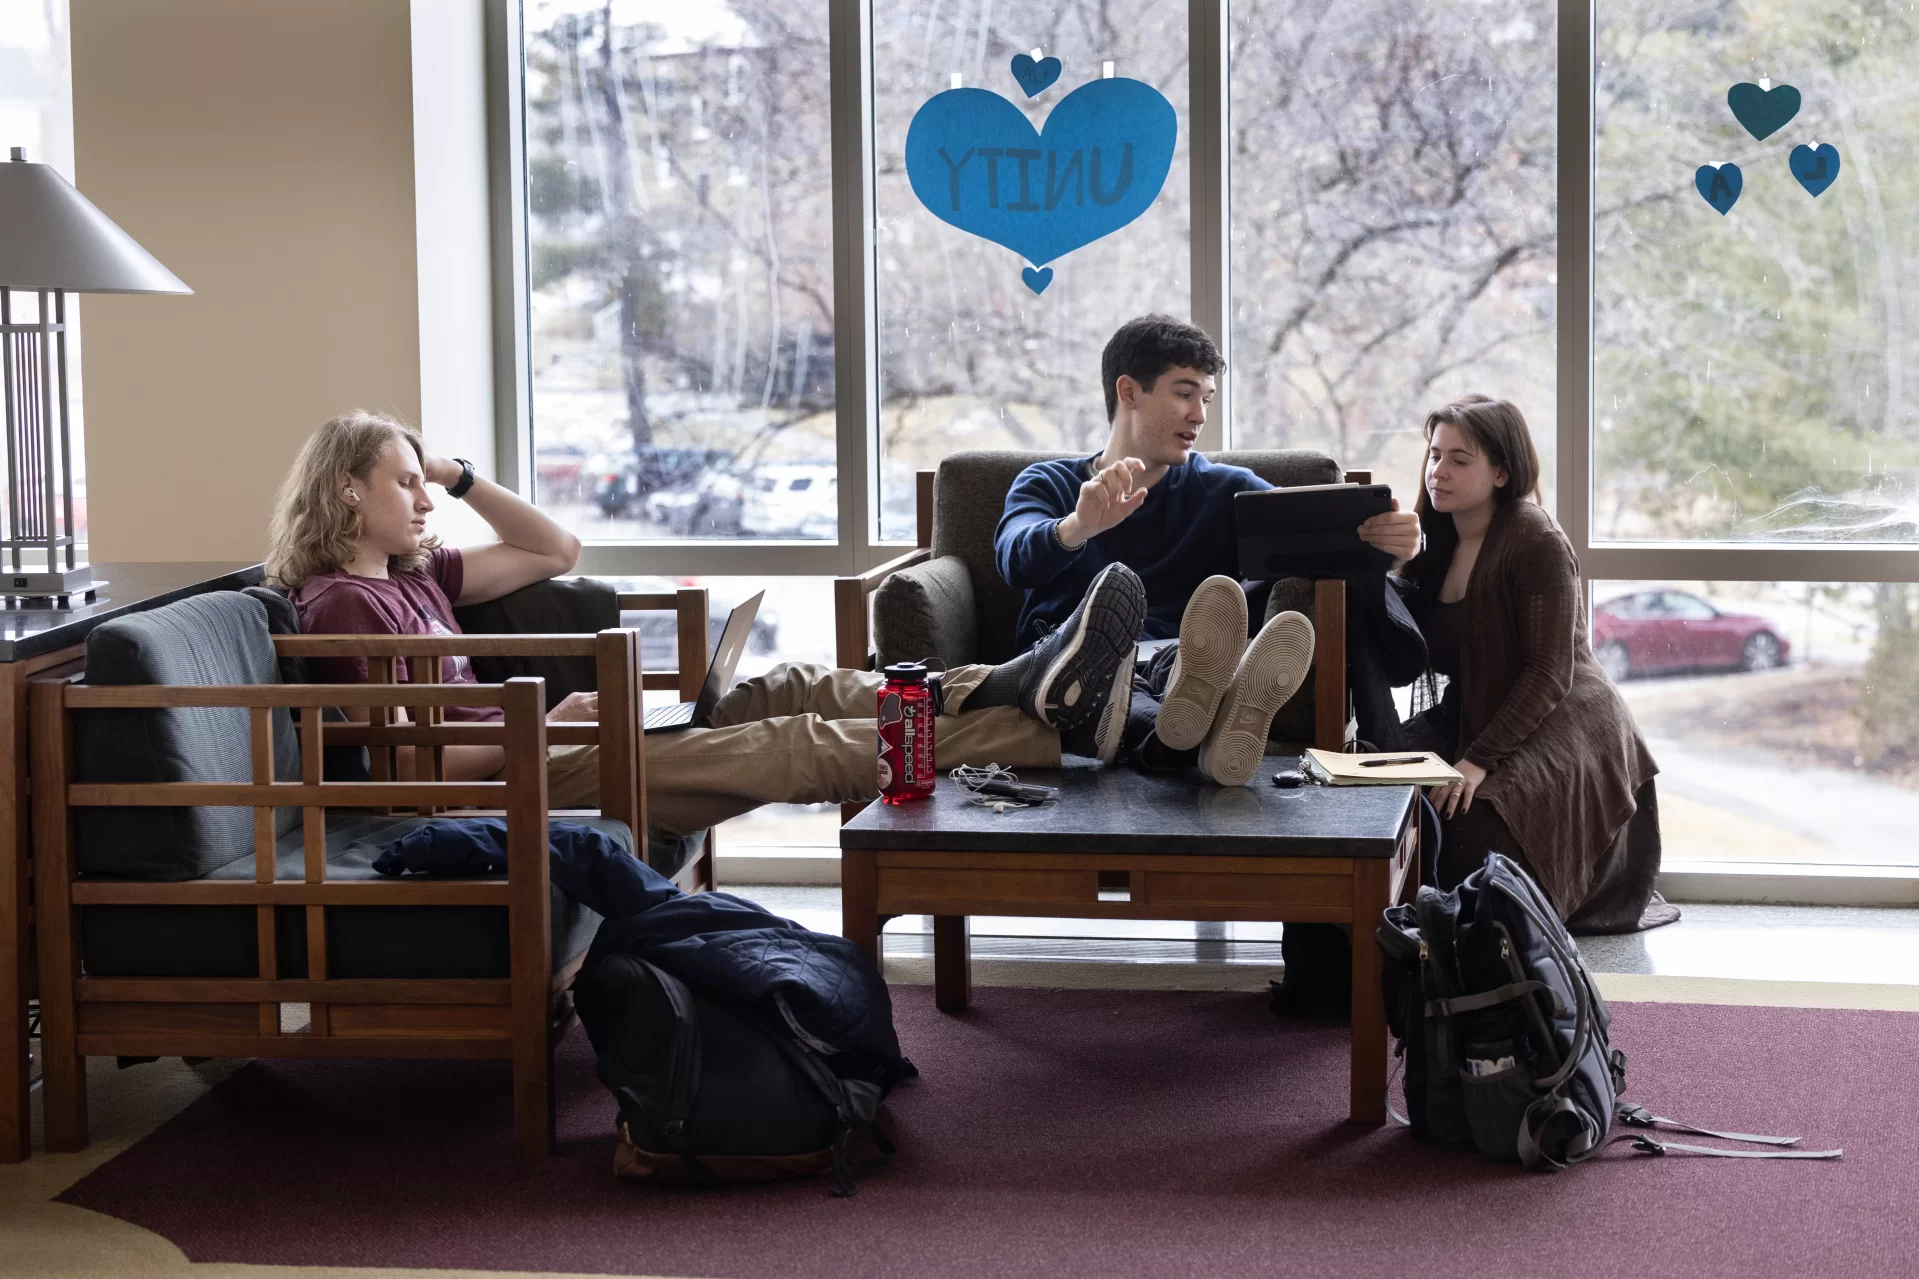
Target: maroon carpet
column 1069, row 1133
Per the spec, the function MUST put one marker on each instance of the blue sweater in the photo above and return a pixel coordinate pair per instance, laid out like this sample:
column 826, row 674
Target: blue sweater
column 1181, row 535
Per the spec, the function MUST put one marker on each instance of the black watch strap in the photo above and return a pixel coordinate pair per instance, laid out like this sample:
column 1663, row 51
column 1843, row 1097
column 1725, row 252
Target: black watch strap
column 466, row 479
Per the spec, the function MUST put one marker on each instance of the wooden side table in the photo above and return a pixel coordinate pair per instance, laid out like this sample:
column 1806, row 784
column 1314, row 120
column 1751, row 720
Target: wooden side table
column 35, row 642
column 1121, row 844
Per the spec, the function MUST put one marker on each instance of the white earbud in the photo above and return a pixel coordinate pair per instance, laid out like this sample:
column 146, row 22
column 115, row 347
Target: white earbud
column 355, row 496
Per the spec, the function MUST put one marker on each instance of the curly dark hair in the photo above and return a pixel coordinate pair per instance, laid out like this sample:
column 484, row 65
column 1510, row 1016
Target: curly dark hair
column 1144, row 348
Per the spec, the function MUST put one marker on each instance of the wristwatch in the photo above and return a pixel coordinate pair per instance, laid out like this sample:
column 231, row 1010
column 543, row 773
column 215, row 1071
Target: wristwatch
column 466, row 479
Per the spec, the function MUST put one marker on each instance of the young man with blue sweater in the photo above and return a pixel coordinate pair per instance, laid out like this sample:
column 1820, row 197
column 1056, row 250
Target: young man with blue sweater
column 1150, row 504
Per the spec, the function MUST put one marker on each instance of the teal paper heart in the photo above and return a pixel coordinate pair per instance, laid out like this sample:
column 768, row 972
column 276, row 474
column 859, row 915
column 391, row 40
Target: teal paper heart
column 975, row 161
column 1763, row 111
column 1816, row 167
column 1719, row 186
column 1037, row 280
column 1034, row 77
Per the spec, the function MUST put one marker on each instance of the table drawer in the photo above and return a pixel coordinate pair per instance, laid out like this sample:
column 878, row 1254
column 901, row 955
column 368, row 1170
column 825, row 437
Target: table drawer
column 929, row 888
column 1173, row 889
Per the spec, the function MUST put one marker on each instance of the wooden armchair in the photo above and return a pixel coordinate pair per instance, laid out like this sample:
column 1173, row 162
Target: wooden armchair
column 969, row 613
column 145, row 964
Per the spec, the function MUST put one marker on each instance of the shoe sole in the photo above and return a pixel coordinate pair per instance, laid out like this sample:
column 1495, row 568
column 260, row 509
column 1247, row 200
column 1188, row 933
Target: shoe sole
column 1106, row 631
column 1119, row 700
column 1271, row 671
column 1212, row 635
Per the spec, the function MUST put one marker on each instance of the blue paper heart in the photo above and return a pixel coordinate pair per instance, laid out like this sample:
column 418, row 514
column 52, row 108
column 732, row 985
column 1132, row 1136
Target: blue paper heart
column 1817, row 168
column 1034, row 77
column 1763, row 111
column 1037, row 280
column 1720, row 186
column 975, row 161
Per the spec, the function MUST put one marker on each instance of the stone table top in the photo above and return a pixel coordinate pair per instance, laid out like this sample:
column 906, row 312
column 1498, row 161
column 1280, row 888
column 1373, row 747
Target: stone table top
column 1119, row 809
column 30, row 631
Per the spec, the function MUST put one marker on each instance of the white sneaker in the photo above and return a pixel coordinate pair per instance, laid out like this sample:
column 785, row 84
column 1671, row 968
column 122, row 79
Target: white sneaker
column 1212, row 635
column 1270, row 671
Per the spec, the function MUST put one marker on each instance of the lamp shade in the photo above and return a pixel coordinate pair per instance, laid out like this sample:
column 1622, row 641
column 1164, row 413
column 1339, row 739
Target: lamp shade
column 52, row 237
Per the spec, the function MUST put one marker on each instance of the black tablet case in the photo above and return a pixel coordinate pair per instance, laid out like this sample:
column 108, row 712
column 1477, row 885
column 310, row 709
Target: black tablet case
column 1309, row 531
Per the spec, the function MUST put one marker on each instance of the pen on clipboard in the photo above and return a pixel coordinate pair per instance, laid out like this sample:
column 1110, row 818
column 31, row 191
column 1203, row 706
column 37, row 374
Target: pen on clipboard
column 1388, row 763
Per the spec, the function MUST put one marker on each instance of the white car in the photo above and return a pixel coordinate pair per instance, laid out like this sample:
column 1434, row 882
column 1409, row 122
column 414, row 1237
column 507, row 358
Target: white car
column 792, row 499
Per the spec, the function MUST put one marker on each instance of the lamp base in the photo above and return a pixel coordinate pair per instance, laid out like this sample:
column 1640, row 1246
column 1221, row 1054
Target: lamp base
column 58, row 583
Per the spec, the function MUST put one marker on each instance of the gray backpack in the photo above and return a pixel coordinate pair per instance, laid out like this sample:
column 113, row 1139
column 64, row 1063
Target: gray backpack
column 1504, row 1037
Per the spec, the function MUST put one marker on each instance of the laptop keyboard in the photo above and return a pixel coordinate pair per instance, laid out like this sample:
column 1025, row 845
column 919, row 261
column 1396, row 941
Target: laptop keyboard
column 668, row 716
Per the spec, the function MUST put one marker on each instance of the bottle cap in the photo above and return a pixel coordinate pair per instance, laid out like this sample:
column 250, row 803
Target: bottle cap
column 906, row 673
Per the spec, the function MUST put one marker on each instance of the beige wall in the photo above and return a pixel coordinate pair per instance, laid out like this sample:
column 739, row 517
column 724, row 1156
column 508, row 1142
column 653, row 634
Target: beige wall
column 263, row 150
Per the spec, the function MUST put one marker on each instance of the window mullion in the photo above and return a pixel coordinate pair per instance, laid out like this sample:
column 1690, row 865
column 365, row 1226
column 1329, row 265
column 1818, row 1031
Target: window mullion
column 1575, row 267
column 855, row 309
column 1207, row 114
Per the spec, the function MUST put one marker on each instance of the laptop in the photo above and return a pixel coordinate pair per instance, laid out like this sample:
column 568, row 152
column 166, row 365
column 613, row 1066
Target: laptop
column 719, row 675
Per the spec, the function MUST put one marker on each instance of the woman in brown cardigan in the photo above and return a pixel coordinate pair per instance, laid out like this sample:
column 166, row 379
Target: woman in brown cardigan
column 1556, row 775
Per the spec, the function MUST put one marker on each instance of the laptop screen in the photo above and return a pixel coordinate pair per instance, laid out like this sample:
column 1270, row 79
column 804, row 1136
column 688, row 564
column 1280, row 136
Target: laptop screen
column 726, row 657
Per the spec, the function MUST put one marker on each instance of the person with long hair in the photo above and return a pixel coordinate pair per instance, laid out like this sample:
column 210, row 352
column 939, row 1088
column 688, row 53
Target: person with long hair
column 1554, row 773
column 348, row 544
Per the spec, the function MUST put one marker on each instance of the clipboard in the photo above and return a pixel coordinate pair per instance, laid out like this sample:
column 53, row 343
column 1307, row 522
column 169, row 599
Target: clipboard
column 1337, row 768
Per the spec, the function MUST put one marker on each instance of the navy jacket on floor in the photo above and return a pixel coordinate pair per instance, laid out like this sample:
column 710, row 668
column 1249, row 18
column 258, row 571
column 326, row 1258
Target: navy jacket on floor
column 825, row 988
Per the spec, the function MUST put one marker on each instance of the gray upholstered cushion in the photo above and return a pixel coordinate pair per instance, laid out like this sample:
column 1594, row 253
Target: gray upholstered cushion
column 217, row 638
column 926, row 611
column 362, row 941
column 969, row 493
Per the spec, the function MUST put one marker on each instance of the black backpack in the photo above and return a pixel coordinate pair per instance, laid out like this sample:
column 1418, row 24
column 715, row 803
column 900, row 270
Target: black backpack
column 1504, row 1037
column 712, row 1093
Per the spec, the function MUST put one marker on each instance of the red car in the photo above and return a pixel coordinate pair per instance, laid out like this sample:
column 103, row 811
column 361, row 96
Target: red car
column 1667, row 630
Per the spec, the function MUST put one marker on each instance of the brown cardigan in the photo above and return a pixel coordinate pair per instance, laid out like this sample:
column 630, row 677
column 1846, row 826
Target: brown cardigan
column 1562, row 756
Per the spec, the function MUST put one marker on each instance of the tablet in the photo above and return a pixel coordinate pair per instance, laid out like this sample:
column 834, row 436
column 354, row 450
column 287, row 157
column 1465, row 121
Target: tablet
column 1309, row 531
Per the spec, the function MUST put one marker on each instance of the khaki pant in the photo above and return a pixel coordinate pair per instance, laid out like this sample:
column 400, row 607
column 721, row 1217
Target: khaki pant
column 799, row 734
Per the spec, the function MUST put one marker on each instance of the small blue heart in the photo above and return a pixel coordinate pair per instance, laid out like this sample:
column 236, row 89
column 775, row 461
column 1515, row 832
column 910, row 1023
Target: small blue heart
column 1720, row 186
column 1816, row 168
column 1763, row 111
column 1037, row 280
column 1034, row 76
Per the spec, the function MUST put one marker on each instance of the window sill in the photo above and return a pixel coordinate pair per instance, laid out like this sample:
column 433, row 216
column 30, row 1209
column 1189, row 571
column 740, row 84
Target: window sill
column 1771, row 883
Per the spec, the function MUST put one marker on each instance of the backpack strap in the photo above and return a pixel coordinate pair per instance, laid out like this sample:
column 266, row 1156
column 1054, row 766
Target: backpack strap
column 1647, row 1146
column 1498, row 995
column 1640, row 1117
column 682, row 1072
column 853, row 1113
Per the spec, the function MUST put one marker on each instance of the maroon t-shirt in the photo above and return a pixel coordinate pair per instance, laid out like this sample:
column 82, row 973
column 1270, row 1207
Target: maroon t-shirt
column 418, row 602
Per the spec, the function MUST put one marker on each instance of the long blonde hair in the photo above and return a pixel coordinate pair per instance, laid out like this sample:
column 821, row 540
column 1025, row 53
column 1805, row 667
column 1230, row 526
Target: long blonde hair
column 313, row 531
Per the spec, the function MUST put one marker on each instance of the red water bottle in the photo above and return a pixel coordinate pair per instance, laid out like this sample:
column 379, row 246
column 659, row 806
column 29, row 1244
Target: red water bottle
column 906, row 712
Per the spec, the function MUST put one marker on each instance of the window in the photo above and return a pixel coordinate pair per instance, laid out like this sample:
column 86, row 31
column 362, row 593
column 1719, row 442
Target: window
column 1754, row 373
column 1784, row 715
column 1393, row 240
column 1420, row 200
column 969, row 357
column 794, row 624
column 680, row 263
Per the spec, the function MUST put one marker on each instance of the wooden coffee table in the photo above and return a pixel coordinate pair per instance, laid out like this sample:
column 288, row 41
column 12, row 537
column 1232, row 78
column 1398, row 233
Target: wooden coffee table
column 1121, row 844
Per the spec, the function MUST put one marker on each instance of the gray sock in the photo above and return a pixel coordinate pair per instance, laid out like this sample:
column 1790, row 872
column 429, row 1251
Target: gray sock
column 1001, row 685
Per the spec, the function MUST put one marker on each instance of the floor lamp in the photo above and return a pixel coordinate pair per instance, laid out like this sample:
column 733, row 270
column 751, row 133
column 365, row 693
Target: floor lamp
column 52, row 242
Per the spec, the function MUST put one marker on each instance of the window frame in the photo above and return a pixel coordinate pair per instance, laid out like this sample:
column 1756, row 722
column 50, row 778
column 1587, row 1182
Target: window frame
column 858, row 547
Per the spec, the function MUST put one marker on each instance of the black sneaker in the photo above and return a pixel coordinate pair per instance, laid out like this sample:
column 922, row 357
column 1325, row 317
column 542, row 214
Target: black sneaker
column 1086, row 665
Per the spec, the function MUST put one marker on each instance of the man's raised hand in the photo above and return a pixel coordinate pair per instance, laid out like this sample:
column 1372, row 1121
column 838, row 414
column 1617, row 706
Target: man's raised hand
column 1114, row 493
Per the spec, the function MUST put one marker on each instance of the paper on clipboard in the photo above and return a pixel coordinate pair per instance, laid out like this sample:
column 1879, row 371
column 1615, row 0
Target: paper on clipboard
column 1340, row 769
